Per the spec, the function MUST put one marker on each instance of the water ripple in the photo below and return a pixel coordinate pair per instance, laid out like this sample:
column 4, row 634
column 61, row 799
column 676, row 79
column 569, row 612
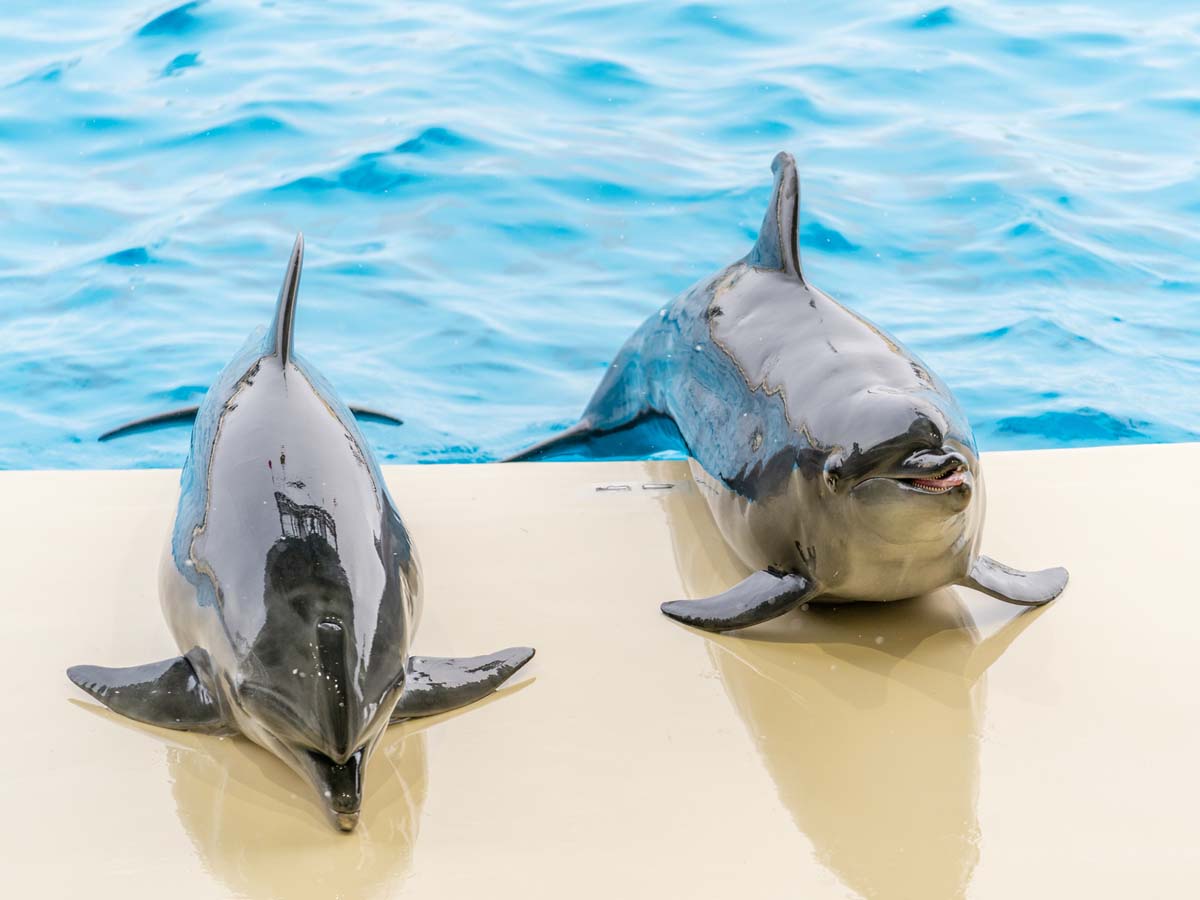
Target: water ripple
column 495, row 194
column 181, row 19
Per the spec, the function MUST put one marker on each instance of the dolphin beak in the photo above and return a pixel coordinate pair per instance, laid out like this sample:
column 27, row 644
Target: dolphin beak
column 339, row 784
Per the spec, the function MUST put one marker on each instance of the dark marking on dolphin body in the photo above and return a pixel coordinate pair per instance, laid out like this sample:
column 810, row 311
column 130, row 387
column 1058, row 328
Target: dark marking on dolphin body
column 290, row 584
column 835, row 463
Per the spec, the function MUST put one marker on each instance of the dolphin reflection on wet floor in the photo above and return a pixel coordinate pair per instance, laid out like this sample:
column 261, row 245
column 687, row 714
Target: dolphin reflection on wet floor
column 869, row 720
column 867, row 717
column 255, row 830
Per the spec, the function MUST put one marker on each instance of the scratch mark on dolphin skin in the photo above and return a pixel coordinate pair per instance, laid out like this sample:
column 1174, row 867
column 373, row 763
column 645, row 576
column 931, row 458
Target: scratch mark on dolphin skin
column 922, row 374
column 808, row 555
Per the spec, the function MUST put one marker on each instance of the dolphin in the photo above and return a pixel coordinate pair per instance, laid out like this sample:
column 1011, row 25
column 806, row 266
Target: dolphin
column 290, row 584
column 837, row 466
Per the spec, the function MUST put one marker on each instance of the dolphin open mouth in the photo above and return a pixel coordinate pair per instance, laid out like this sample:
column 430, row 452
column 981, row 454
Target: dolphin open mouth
column 943, row 480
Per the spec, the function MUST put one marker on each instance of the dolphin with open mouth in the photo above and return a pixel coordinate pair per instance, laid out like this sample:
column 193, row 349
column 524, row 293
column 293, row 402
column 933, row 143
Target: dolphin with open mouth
column 835, row 463
column 290, row 584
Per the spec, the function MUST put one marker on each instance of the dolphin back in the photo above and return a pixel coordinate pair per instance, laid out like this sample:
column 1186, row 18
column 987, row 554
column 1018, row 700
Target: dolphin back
column 287, row 531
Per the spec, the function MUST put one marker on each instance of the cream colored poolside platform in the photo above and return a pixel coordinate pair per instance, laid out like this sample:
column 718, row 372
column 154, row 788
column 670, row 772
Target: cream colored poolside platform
column 945, row 747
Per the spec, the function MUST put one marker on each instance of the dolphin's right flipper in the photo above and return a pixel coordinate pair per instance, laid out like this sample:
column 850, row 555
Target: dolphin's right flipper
column 1013, row 585
column 437, row 684
column 168, row 694
column 762, row 596
column 188, row 414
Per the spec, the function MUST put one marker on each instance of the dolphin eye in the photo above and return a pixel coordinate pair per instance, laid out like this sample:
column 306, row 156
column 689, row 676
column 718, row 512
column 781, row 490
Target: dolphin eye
column 832, row 472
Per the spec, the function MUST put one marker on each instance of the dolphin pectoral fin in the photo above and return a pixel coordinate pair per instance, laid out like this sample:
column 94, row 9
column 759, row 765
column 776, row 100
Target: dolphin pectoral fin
column 185, row 414
column 436, row 684
column 1013, row 585
column 168, row 694
column 366, row 414
column 762, row 596
column 576, row 433
column 188, row 414
column 647, row 433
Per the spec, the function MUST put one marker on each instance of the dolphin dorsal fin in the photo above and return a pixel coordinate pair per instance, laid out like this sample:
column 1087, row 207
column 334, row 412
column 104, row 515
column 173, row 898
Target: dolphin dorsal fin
column 777, row 247
column 285, row 306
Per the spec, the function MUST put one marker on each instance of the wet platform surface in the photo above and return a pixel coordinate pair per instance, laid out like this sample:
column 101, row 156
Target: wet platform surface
column 949, row 746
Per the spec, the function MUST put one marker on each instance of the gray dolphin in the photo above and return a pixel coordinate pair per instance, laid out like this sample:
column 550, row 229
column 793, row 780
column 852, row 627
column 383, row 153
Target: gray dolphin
column 835, row 463
column 290, row 584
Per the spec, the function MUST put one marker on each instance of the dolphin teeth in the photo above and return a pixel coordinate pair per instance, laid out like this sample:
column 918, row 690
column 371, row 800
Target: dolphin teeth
column 941, row 483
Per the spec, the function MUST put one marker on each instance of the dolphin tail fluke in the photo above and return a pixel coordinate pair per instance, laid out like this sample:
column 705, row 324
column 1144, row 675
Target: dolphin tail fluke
column 188, row 414
column 1014, row 586
column 777, row 246
column 759, row 598
column 440, row 684
column 168, row 694
column 285, row 306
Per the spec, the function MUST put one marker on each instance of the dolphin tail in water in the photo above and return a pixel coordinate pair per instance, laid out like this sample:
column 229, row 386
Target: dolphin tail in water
column 436, row 685
column 169, row 693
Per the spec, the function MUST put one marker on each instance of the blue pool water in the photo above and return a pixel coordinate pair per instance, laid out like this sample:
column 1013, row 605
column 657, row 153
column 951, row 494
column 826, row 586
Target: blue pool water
column 494, row 194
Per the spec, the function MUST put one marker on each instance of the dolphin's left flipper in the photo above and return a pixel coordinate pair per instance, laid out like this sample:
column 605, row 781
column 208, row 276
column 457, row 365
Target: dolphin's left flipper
column 168, row 694
column 762, row 596
column 186, row 414
column 437, row 684
column 1013, row 585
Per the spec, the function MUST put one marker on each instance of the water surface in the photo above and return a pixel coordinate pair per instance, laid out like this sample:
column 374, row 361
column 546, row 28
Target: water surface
column 495, row 194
